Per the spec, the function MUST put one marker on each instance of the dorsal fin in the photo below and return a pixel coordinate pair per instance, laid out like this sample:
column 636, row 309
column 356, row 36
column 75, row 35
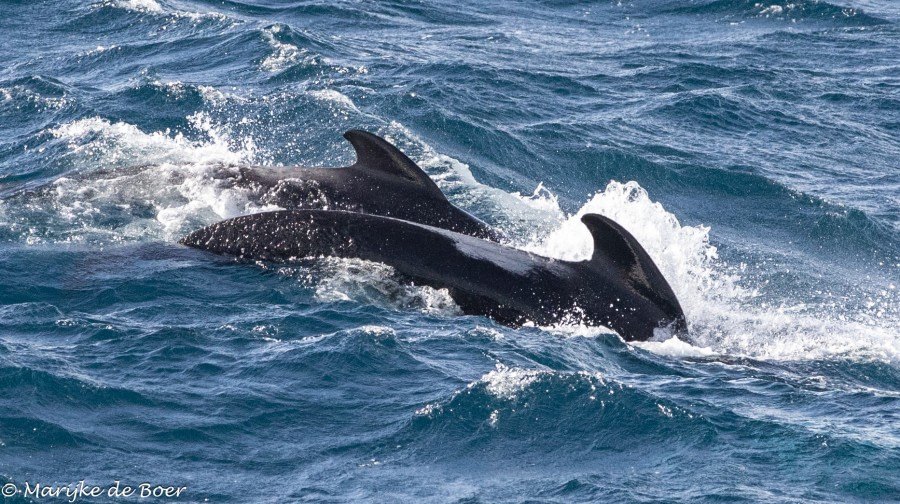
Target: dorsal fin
column 613, row 243
column 376, row 153
column 615, row 246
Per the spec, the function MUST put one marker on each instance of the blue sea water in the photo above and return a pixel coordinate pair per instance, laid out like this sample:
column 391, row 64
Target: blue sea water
column 752, row 146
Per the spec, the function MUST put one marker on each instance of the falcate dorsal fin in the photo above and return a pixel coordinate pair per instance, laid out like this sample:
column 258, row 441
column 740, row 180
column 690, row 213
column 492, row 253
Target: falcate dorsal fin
column 376, row 153
column 612, row 243
column 614, row 246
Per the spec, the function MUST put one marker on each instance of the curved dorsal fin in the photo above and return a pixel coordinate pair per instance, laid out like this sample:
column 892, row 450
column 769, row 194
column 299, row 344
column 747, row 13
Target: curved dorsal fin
column 376, row 153
column 614, row 246
column 612, row 243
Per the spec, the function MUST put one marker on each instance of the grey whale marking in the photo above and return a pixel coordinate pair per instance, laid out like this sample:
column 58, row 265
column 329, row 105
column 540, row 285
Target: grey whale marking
column 618, row 287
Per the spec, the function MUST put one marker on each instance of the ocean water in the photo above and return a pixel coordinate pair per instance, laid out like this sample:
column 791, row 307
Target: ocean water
column 752, row 146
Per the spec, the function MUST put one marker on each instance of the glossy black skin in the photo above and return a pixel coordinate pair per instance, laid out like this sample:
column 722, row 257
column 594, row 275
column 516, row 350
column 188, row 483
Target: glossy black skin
column 383, row 181
column 358, row 190
column 483, row 277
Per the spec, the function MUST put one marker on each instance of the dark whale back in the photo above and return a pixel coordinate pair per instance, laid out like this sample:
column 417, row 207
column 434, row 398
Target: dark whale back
column 383, row 181
column 376, row 153
column 619, row 287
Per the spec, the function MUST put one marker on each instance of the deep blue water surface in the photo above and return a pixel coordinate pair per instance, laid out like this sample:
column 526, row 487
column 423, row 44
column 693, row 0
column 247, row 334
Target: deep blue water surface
column 752, row 146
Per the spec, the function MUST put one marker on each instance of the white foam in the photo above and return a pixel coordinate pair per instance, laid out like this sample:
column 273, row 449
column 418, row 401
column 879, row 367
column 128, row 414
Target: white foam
column 523, row 218
column 22, row 93
column 682, row 253
column 674, row 347
column 100, row 50
column 217, row 97
column 121, row 143
column 364, row 281
column 724, row 315
column 151, row 6
column 505, row 382
column 156, row 8
column 201, row 195
column 336, row 97
column 284, row 54
column 176, row 188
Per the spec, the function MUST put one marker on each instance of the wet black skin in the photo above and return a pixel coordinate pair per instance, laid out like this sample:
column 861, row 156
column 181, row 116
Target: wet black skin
column 619, row 287
column 383, row 181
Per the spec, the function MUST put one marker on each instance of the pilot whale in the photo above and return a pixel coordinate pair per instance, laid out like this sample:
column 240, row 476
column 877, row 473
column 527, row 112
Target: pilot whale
column 619, row 287
column 382, row 181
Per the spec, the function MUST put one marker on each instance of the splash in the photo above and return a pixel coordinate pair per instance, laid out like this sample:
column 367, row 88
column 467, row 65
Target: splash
column 144, row 6
column 522, row 218
column 336, row 97
column 725, row 313
column 155, row 8
column 505, row 382
column 362, row 281
column 98, row 142
column 675, row 347
column 106, row 199
column 284, row 54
